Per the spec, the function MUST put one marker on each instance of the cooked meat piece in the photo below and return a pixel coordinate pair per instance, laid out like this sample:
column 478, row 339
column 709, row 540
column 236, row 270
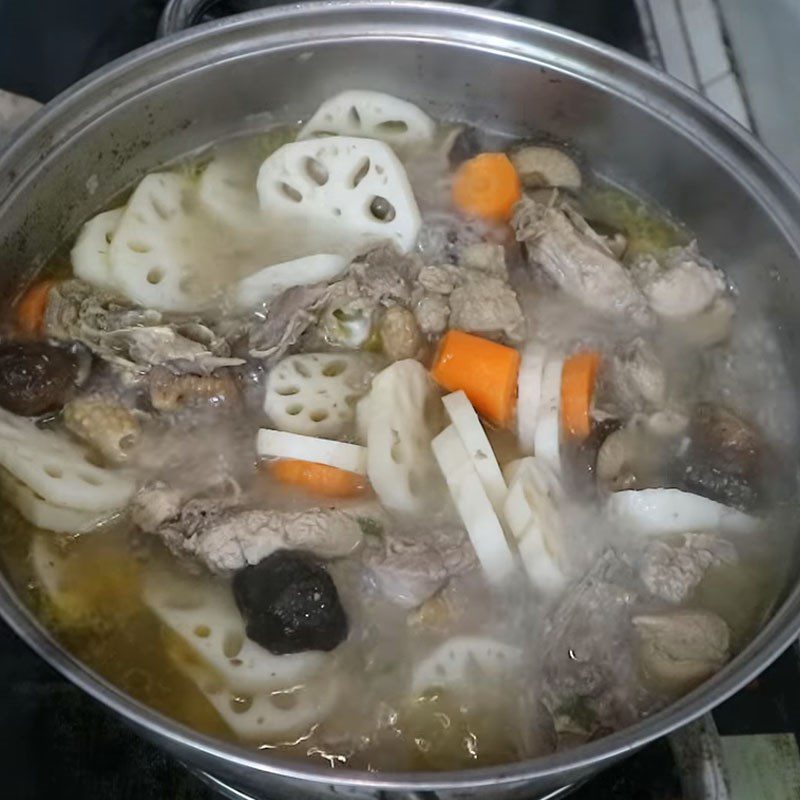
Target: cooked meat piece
column 485, row 257
column 381, row 279
column 443, row 236
column 488, row 307
column 385, row 275
column 636, row 378
column 479, row 298
column 130, row 337
column 440, row 279
column 290, row 604
column 589, row 681
column 410, row 566
column 105, row 424
column 288, row 316
column 683, row 285
column 682, row 649
column 578, row 262
column 672, row 569
column 400, row 335
column 156, row 505
column 170, row 392
column 432, row 312
column 36, row 377
column 161, row 344
column 225, row 537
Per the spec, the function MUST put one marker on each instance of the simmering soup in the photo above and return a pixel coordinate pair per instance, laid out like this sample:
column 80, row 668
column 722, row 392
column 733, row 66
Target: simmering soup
column 388, row 444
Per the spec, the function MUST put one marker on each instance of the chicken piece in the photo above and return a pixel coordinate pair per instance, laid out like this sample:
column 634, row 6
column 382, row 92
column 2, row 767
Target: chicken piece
column 410, row 567
column 672, row 569
column 225, row 536
column 162, row 344
column 288, row 317
column 680, row 650
column 432, row 312
column 637, row 378
column 131, row 337
column 589, row 681
column 169, row 392
column 485, row 257
column 488, row 307
column 103, row 424
column 683, row 285
column 400, row 334
column 440, row 279
column 578, row 261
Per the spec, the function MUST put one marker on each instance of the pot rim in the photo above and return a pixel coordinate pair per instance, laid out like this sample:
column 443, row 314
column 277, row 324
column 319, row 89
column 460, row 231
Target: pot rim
column 508, row 35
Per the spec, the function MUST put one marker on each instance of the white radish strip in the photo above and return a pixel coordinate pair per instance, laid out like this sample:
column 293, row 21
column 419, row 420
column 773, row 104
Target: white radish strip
column 204, row 614
column 452, row 664
column 658, row 512
column 271, row 281
column 529, row 401
column 339, row 195
column 547, row 440
column 44, row 515
column 473, row 506
column 476, row 443
column 532, row 516
column 280, row 444
column 90, row 255
column 371, row 114
column 542, row 568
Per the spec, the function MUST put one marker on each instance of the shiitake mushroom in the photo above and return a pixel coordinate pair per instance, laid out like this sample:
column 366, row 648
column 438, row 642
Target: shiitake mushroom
column 36, row 377
column 290, row 604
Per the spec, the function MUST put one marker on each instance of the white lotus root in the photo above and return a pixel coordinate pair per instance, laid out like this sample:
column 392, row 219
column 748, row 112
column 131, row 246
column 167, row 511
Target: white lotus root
column 339, row 195
column 373, row 115
column 316, row 393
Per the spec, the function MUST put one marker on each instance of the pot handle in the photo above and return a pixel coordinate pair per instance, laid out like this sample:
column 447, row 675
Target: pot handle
column 178, row 15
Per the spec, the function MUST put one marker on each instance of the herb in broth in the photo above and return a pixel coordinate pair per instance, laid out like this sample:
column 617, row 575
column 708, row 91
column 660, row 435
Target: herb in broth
column 527, row 496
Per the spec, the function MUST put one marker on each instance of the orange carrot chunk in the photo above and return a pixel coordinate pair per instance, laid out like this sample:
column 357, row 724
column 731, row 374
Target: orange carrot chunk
column 317, row 478
column 487, row 187
column 577, row 391
column 31, row 307
column 485, row 370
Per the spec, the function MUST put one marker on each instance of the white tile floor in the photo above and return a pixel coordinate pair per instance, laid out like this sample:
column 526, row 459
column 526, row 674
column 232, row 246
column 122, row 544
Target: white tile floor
column 690, row 44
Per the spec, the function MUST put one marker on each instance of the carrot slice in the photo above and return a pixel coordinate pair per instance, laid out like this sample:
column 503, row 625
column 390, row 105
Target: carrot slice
column 317, row 478
column 485, row 370
column 31, row 307
column 577, row 390
column 487, row 186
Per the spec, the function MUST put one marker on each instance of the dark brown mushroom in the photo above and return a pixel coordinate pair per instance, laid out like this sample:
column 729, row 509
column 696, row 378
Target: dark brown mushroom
column 36, row 377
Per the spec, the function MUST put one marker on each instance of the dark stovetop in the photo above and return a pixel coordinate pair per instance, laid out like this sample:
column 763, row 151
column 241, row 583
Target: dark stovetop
column 55, row 741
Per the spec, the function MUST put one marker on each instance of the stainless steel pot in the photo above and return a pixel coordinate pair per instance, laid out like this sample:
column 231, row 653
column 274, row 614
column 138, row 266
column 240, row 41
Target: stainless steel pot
column 636, row 125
